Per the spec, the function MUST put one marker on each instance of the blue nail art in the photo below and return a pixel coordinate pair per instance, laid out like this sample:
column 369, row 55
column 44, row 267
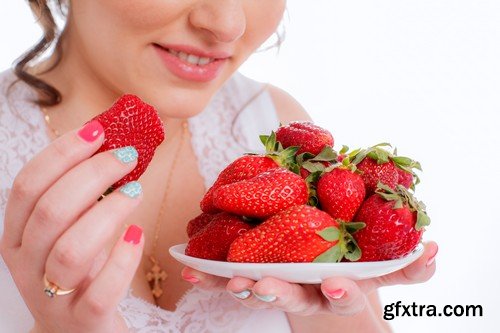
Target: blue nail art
column 242, row 294
column 132, row 189
column 126, row 154
column 266, row 298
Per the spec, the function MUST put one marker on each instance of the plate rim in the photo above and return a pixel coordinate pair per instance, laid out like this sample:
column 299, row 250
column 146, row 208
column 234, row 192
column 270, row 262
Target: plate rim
column 415, row 254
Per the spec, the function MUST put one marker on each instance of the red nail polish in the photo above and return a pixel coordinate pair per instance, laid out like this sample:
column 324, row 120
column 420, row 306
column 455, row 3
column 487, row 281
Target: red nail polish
column 91, row 131
column 191, row 279
column 336, row 294
column 133, row 234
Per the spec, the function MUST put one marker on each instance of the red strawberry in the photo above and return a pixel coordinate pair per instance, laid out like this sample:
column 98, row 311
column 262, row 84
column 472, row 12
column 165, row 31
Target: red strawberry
column 299, row 234
column 373, row 172
column 340, row 193
column 263, row 195
column 243, row 168
column 378, row 165
column 198, row 223
column 405, row 178
column 214, row 240
column 131, row 122
column 394, row 220
column 309, row 137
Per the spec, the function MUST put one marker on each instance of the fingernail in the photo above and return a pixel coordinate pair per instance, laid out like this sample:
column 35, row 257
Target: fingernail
column 242, row 294
column 335, row 294
column 133, row 234
column 266, row 298
column 126, row 154
column 91, row 131
column 191, row 279
column 132, row 189
column 431, row 260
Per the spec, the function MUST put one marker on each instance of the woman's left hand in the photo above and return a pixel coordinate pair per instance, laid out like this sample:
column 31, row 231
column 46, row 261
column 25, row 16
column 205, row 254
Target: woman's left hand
column 336, row 295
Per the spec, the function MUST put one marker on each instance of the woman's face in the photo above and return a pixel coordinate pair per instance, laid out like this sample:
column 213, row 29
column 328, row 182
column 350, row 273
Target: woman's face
column 174, row 54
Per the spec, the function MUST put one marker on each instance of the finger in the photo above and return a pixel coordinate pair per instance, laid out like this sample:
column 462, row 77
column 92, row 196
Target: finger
column 344, row 296
column 417, row 272
column 242, row 290
column 289, row 297
column 70, row 197
column 74, row 253
column 105, row 292
column 203, row 280
column 42, row 171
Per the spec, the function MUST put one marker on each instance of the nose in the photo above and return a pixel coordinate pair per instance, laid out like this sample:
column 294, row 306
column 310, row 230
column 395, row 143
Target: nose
column 222, row 20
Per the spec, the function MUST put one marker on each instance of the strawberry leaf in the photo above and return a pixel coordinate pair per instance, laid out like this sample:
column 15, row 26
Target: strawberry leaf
column 326, row 155
column 263, row 139
column 352, row 227
column 344, row 149
column 304, row 157
column 314, row 177
column 357, row 156
column 398, row 204
column 403, row 161
column 422, row 220
column 333, row 254
column 313, row 167
column 353, row 252
column 271, row 143
column 289, row 152
column 382, row 156
column 382, row 144
column 329, row 234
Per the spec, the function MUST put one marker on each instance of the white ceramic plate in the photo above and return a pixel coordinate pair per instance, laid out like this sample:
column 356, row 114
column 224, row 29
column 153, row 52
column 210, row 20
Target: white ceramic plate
column 312, row 273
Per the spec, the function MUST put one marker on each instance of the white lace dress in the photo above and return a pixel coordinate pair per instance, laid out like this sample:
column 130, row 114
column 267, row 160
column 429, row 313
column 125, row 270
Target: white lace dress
column 233, row 113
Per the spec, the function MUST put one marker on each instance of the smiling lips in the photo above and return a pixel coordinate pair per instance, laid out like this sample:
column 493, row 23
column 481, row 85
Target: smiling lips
column 191, row 64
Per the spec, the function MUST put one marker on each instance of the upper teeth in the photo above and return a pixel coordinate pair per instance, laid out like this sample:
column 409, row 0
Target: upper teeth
column 191, row 58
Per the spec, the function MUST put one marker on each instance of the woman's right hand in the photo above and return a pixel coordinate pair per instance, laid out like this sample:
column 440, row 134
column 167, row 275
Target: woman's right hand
column 55, row 226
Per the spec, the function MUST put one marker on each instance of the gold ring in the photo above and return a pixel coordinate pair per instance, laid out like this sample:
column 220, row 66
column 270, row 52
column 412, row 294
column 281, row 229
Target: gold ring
column 52, row 289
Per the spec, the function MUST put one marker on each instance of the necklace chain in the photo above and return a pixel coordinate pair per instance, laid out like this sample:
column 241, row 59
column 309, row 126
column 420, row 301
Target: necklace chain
column 156, row 275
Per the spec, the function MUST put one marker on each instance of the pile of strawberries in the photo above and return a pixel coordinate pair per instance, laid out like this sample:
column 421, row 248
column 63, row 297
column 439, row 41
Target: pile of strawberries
column 302, row 201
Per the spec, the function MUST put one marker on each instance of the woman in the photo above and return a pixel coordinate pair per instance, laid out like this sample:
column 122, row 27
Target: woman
column 182, row 57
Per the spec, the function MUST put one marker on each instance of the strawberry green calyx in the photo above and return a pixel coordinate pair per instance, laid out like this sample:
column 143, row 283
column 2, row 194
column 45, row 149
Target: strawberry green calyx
column 404, row 198
column 379, row 154
column 345, row 247
column 315, row 166
column 284, row 157
column 376, row 153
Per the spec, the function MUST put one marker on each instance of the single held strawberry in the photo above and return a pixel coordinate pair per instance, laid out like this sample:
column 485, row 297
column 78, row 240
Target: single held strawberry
column 309, row 137
column 213, row 241
column 198, row 223
column 299, row 234
column 340, row 192
column 376, row 164
column 394, row 220
column 263, row 195
column 245, row 167
column 131, row 122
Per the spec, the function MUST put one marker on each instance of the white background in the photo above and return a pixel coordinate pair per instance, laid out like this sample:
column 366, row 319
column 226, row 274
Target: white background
column 424, row 75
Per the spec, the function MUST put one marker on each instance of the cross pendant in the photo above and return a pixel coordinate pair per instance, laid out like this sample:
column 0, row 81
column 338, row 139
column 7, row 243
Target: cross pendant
column 155, row 276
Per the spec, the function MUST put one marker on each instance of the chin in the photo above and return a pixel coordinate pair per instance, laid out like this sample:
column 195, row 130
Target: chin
column 176, row 103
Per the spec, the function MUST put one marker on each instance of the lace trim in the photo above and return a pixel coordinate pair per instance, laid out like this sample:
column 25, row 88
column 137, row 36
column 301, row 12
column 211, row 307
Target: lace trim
column 197, row 311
